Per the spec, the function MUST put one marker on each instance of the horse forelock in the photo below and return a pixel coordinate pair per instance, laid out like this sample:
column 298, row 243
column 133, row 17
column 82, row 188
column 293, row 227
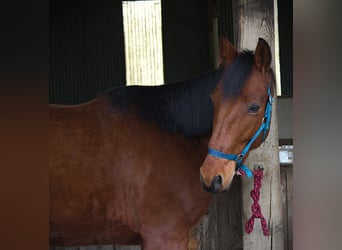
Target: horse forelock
column 236, row 74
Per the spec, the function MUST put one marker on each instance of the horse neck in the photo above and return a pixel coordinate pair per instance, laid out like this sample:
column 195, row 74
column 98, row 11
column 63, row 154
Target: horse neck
column 182, row 107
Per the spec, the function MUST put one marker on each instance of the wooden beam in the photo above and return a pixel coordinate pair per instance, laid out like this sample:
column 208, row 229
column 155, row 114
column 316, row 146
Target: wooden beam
column 254, row 19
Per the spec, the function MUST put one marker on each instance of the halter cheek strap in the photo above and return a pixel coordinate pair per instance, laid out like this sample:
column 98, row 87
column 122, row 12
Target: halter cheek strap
column 264, row 127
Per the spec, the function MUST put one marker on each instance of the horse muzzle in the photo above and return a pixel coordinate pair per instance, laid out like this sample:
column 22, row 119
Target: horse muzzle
column 216, row 175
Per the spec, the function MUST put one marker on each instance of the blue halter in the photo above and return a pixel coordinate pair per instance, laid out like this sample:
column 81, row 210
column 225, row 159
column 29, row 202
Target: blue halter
column 264, row 127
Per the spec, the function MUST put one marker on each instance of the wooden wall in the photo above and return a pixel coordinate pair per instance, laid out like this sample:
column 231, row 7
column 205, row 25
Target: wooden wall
column 221, row 227
column 286, row 176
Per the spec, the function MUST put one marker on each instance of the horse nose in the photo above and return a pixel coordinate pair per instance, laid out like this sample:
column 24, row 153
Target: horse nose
column 216, row 185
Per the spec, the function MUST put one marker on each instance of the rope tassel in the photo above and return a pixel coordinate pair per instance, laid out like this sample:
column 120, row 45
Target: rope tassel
column 256, row 209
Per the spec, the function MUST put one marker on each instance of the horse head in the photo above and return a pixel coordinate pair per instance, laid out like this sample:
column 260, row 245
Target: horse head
column 242, row 108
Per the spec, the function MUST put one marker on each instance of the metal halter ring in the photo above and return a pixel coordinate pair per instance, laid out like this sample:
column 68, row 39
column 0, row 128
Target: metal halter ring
column 239, row 157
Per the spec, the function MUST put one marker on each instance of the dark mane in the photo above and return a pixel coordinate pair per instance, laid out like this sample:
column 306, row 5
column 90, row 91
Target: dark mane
column 183, row 107
column 236, row 74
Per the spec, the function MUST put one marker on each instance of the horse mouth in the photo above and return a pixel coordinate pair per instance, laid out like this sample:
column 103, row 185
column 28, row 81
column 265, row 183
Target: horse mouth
column 215, row 187
column 216, row 175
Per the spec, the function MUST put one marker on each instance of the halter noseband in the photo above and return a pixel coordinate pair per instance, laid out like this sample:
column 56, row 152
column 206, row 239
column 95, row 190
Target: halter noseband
column 264, row 127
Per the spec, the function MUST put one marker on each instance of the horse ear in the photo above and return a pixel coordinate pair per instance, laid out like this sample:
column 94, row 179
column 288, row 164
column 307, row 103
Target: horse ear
column 263, row 55
column 227, row 51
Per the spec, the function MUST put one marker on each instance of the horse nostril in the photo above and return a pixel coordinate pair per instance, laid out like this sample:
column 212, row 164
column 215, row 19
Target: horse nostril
column 217, row 182
column 215, row 186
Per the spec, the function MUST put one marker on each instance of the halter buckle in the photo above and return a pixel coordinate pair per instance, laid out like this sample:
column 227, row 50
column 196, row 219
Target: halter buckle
column 270, row 99
column 239, row 157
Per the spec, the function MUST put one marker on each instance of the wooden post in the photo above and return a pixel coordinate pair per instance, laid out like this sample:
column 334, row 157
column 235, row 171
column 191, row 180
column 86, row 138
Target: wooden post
column 254, row 19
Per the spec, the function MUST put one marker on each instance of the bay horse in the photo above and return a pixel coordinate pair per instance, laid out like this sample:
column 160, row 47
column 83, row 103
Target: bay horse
column 127, row 166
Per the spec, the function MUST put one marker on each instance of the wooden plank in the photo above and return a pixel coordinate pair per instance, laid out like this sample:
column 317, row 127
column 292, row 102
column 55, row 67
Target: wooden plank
column 89, row 248
column 283, row 183
column 290, row 206
column 287, row 199
column 220, row 227
column 270, row 197
column 127, row 248
column 213, row 227
column 229, row 217
column 254, row 19
column 108, row 247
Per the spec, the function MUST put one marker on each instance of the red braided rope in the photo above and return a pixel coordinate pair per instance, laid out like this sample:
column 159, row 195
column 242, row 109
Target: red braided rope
column 256, row 209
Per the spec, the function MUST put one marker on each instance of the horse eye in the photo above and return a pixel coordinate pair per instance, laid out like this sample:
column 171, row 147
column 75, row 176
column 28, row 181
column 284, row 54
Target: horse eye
column 253, row 108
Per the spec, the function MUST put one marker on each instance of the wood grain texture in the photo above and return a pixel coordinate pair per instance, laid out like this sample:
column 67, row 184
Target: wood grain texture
column 254, row 19
column 289, row 192
column 220, row 227
column 283, row 183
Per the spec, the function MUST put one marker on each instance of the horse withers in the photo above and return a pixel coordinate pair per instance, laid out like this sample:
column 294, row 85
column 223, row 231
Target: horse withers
column 124, row 167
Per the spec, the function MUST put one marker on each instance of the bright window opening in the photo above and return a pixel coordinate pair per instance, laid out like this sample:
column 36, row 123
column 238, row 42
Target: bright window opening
column 143, row 42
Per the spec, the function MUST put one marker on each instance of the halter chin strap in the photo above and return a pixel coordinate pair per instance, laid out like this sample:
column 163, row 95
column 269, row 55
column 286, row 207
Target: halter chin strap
column 264, row 127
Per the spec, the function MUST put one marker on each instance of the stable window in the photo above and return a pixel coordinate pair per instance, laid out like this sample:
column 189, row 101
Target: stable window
column 143, row 42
